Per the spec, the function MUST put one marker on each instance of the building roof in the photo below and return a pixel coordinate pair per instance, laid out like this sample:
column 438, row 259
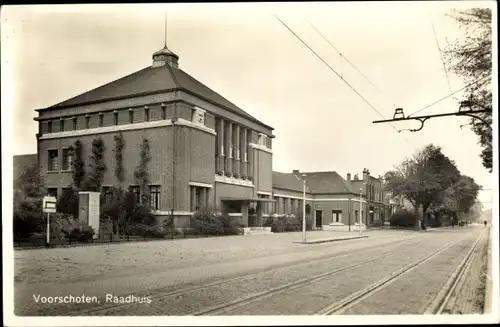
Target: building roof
column 153, row 80
column 287, row 182
column 326, row 182
column 21, row 162
column 317, row 182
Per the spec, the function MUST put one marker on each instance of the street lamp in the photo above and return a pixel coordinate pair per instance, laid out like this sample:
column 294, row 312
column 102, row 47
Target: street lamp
column 360, row 209
column 303, row 206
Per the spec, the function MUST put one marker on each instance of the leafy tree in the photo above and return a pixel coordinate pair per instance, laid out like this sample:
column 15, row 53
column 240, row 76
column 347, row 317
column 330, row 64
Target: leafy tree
column 97, row 166
column 67, row 203
column 142, row 173
column 78, row 165
column 28, row 193
column 422, row 178
column 471, row 59
column 461, row 196
column 113, row 209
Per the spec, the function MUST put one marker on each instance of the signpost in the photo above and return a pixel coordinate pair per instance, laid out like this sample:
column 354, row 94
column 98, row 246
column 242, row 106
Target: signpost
column 49, row 206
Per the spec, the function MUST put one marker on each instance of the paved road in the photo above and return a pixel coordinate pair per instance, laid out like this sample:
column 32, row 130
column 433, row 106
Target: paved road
column 245, row 275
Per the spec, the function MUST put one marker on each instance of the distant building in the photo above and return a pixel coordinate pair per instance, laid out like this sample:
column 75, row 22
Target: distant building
column 333, row 202
column 21, row 163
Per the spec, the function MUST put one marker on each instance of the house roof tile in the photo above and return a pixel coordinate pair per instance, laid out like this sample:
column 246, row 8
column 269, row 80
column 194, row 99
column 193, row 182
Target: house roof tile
column 153, row 80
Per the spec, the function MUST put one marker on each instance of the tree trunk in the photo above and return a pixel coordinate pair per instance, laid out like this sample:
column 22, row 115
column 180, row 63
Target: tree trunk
column 417, row 215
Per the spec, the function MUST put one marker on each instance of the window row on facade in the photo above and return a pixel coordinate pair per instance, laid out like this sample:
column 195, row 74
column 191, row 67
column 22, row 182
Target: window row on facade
column 199, row 196
column 109, row 118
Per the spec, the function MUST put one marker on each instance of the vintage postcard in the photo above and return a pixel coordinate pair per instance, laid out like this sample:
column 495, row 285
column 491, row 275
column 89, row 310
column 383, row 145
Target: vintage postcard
column 309, row 163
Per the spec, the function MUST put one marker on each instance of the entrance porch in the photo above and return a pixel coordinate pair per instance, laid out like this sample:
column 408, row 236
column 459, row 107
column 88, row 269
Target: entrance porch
column 250, row 210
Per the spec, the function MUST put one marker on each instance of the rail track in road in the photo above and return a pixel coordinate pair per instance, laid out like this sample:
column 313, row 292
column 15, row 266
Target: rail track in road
column 441, row 303
column 323, row 259
column 221, row 309
column 438, row 304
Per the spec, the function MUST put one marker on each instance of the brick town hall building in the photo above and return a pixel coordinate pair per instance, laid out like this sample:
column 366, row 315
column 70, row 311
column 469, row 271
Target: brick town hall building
column 205, row 151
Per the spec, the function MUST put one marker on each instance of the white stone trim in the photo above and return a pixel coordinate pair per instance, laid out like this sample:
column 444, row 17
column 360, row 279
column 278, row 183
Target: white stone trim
column 200, row 184
column 335, row 200
column 127, row 127
column 261, row 147
column 276, row 195
column 235, row 214
column 265, row 193
column 233, row 181
column 168, row 213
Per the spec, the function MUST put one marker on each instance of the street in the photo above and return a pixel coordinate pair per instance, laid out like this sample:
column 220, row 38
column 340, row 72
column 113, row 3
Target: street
column 390, row 272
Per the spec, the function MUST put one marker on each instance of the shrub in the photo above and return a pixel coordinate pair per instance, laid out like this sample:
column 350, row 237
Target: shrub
column 403, row 218
column 377, row 223
column 80, row 234
column 212, row 222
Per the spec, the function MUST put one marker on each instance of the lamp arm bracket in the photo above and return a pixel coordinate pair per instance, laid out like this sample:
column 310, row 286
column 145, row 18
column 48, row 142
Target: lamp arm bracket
column 477, row 117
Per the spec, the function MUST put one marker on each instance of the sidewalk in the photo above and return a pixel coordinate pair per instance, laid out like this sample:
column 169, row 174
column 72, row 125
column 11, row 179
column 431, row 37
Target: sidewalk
column 334, row 239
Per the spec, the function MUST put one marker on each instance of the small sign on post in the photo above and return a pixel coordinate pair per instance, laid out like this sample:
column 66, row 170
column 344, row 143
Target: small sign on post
column 49, row 206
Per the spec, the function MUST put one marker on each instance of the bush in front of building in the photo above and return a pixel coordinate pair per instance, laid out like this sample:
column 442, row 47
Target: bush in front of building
column 80, row 234
column 210, row 221
column 286, row 223
column 403, row 218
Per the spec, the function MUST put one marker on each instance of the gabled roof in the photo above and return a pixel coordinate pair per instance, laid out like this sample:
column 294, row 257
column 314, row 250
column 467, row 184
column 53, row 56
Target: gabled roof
column 317, row 182
column 287, row 182
column 326, row 182
column 153, row 80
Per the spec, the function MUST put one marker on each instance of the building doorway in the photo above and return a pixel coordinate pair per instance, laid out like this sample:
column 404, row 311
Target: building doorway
column 319, row 218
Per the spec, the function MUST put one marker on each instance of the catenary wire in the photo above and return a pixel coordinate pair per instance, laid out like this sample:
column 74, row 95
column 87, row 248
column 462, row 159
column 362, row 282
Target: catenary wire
column 441, row 54
column 447, row 96
column 349, row 62
column 334, row 71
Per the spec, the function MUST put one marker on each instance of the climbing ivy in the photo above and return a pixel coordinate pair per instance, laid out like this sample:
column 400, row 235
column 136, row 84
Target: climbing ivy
column 142, row 174
column 78, row 165
column 119, row 168
column 97, row 165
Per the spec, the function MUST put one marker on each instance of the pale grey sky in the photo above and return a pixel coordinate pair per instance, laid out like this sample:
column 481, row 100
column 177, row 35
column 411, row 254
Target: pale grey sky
column 244, row 53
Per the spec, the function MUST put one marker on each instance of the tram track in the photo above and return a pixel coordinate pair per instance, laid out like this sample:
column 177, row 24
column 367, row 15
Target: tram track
column 240, row 302
column 442, row 300
column 320, row 260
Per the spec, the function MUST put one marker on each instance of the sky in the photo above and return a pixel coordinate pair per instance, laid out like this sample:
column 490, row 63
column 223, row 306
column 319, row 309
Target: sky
column 240, row 50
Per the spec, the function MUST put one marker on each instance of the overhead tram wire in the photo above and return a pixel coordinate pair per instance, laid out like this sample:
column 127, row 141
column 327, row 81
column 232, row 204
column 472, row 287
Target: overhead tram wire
column 349, row 62
column 334, row 71
column 441, row 55
column 449, row 95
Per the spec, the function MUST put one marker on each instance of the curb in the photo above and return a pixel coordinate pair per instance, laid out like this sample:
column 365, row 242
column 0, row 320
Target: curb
column 330, row 240
column 489, row 283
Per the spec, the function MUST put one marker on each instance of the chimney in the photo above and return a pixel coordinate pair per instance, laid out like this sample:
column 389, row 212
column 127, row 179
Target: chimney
column 366, row 174
column 295, row 171
column 348, row 177
column 356, row 177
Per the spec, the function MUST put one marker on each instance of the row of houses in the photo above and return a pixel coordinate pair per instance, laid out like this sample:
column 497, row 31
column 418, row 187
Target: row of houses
column 205, row 151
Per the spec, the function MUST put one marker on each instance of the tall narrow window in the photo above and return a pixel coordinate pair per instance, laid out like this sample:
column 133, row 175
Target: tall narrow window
column 154, row 191
column 49, row 126
column 53, row 164
column 130, row 116
column 62, row 125
column 115, row 117
column 101, row 120
column 87, row 121
column 108, row 193
column 163, row 112
column 74, row 123
column 199, row 197
column 146, row 114
column 67, row 163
